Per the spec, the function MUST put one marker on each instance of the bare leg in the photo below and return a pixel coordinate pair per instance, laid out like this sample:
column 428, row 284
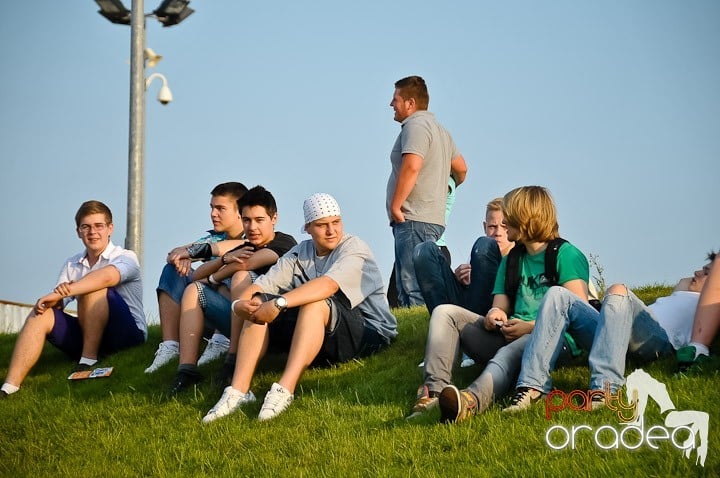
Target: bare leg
column 192, row 320
column 29, row 345
column 240, row 281
column 306, row 342
column 707, row 315
column 169, row 317
column 252, row 344
column 93, row 315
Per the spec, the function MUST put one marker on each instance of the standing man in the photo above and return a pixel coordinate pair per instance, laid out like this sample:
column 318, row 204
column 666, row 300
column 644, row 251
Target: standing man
column 105, row 279
column 422, row 159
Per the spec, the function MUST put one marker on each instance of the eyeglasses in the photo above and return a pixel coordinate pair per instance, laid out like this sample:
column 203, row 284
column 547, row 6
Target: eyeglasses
column 87, row 228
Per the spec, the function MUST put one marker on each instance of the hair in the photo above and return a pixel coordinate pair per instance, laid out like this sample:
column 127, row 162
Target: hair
column 494, row 205
column 531, row 210
column 414, row 87
column 711, row 256
column 92, row 207
column 258, row 196
column 233, row 189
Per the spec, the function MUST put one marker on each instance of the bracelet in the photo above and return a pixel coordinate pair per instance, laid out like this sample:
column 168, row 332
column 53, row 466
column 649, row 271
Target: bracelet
column 232, row 306
column 212, row 280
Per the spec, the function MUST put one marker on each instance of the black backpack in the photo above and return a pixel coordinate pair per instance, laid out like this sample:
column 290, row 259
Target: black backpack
column 512, row 269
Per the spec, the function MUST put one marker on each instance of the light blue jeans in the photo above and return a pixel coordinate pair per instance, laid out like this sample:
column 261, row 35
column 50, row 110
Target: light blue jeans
column 407, row 235
column 439, row 285
column 626, row 327
column 560, row 311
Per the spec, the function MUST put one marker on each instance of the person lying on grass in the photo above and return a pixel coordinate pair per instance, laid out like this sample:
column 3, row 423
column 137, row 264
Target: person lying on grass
column 322, row 302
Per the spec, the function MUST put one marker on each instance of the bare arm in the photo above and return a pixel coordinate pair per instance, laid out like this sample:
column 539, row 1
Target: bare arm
column 407, row 177
column 314, row 290
column 458, row 169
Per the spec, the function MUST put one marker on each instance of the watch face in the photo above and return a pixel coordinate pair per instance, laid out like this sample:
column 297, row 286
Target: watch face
column 281, row 302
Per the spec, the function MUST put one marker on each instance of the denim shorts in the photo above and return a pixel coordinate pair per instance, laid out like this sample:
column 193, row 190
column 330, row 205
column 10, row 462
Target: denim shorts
column 215, row 307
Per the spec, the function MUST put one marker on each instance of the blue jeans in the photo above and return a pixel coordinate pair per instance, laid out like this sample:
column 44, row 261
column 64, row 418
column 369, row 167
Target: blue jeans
column 626, row 326
column 560, row 311
column 407, row 235
column 172, row 283
column 439, row 285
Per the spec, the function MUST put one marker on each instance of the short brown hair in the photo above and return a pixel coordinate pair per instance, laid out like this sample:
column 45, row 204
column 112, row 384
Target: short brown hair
column 414, row 87
column 92, row 207
column 531, row 210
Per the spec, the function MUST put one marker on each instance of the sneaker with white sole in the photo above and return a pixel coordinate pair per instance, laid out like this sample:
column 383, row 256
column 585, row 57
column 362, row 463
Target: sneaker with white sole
column 456, row 405
column 214, row 350
column 523, row 399
column 166, row 352
column 426, row 400
column 276, row 401
column 230, row 401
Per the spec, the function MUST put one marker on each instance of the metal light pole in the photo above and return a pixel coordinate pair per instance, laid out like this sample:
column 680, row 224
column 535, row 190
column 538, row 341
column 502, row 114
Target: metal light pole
column 170, row 12
column 136, row 149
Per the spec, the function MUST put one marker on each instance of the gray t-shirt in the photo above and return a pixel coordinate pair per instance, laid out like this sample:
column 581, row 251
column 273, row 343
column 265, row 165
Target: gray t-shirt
column 351, row 264
column 421, row 134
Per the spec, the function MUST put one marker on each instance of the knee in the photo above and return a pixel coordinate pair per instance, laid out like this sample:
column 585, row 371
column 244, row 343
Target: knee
column 617, row 289
column 483, row 245
column 425, row 251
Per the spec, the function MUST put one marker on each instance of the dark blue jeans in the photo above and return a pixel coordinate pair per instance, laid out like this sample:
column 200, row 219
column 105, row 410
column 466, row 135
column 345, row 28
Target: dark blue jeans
column 439, row 285
column 407, row 235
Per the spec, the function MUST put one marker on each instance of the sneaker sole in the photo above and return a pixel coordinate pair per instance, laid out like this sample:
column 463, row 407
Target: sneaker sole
column 449, row 401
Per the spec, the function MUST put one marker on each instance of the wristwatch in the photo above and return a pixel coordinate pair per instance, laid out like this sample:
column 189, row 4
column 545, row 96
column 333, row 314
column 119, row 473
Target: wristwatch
column 281, row 303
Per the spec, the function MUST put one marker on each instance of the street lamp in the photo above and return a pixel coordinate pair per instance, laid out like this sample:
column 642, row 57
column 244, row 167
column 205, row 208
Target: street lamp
column 170, row 12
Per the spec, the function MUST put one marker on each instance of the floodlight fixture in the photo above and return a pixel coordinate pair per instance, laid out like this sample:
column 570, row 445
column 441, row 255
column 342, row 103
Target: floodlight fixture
column 115, row 11
column 172, row 12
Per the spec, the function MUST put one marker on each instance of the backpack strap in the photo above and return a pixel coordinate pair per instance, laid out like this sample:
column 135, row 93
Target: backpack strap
column 551, row 254
column 512, row 266
column 512, row 272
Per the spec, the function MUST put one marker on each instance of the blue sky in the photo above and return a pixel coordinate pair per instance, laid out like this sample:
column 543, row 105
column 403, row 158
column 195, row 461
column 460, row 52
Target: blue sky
column 614, row 106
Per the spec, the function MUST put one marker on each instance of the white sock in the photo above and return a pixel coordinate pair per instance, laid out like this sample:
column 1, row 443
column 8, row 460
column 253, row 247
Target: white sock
column 220, row 339
column 9, row 388
column 700, row 349
column 87, row 361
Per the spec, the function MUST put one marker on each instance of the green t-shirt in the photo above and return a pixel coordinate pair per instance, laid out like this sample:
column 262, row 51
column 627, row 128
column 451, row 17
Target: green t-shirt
column 571, row 264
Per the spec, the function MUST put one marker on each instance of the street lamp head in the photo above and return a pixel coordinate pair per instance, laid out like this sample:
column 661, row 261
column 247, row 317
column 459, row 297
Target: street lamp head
column 164, row 95
column 115, row 11
column 172, row 12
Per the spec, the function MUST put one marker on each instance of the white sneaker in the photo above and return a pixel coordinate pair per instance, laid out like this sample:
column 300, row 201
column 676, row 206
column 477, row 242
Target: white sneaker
column 166, row 352
column 230, row 401
column 215, row 349
column 276, row 401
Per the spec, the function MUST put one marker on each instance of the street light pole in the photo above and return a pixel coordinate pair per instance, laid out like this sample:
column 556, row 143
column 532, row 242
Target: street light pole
column 169, row 13
column 136, row 149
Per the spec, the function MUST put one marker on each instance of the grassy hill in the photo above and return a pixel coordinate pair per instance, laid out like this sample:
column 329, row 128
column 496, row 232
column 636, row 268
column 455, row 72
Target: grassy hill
column 346, row 421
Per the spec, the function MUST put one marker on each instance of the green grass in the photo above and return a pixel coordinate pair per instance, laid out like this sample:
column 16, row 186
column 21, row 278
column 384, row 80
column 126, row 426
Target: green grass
column 346, row 421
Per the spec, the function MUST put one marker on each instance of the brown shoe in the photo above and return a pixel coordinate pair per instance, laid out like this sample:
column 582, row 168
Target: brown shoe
column 426, row 400
column 456, row 405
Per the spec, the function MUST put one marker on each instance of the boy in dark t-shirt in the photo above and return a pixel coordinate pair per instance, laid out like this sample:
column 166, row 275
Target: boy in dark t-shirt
column 221, row 280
